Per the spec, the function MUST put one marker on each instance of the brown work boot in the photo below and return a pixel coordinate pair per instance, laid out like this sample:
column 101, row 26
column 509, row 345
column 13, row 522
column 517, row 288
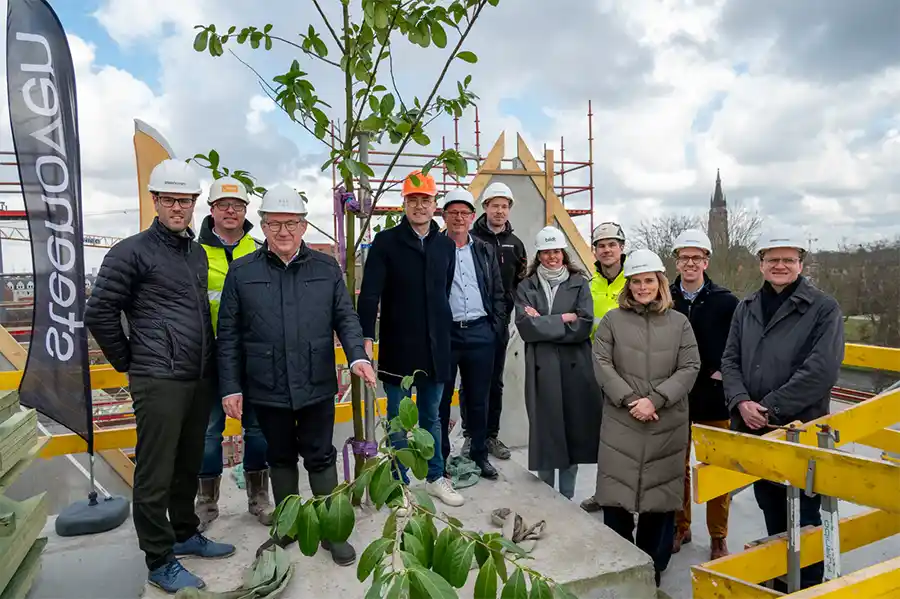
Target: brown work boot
column 258, row 502
column 207, row 506
column 681, row 538
column 718, row 549
column 590, row 505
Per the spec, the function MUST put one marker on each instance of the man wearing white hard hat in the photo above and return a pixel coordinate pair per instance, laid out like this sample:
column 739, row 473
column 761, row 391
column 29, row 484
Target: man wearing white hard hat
column 709, row 307
column 478, row 310
column 281, row 307
column 783, row 356
column 493, row 227
column 158, row 279
column 225, row 236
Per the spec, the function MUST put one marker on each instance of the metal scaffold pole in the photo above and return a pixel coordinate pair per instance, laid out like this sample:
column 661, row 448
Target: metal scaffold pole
column 365, row 204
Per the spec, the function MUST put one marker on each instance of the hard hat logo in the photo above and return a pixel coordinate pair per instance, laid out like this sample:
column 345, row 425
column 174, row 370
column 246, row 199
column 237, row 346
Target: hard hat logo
column 228, row 188
column 550, row 238
column 642, row 261
column 174, row 176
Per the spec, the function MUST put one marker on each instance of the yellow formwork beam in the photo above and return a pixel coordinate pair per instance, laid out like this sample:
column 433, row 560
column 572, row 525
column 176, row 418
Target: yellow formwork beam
column 856, row 423
column 857, row 479
column 881, row 581
column 872, row 356
column 768, row 560
column 706, row 584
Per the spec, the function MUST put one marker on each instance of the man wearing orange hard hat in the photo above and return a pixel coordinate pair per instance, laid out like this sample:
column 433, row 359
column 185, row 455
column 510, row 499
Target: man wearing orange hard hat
column 408, row 272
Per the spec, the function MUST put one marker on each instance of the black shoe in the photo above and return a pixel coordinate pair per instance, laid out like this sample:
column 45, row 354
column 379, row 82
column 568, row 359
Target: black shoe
column 487, row 469
column 342, row 554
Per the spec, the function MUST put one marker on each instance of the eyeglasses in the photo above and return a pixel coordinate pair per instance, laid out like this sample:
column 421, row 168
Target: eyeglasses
column 459, row 213
column 226, row 206
column 168, row 202
column 690, row 259
column 785, row 261
column 290, row 225
column 423, row 202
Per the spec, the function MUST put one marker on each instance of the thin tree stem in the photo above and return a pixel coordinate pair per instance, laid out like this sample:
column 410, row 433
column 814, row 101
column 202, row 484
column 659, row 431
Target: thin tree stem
column 330, row 28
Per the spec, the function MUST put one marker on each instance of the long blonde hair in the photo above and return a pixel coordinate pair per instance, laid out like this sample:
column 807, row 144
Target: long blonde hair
column 662, row 302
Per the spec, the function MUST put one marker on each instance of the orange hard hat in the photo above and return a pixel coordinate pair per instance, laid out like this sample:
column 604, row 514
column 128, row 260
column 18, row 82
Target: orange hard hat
column 426, row 185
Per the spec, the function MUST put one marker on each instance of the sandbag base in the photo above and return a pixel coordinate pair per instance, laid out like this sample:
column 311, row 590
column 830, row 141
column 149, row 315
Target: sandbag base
column 83, row 518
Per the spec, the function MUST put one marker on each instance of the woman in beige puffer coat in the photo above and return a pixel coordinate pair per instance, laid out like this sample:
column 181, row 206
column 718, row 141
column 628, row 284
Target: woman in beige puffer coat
column 646, row 360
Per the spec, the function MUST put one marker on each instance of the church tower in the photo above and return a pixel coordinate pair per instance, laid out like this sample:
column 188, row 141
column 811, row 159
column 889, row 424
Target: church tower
column 718, row 218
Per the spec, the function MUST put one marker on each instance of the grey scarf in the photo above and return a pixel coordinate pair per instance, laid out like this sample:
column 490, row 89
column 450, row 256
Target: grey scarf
column 550, row 281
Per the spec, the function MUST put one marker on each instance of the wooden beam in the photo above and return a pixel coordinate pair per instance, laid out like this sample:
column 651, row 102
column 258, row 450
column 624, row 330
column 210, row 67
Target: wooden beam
column 706, row 584
column 872, row 356
column 854, row 424
column 881, row 581
column 510, row 171
column 12, row 350
column 549, row 168
column 489, row 167
column 559, row 212
column 769, row 559
column 857, row 479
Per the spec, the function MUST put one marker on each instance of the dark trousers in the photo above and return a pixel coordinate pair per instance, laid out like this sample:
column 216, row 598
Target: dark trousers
column 290, row 434
column 495, row 399
column 772, row 500
column 472, row 353
column 254, row 442
column 655, row 533
column 171, row 421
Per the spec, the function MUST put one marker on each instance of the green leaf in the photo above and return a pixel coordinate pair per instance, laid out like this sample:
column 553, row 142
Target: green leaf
column 459, row 563
column 515, row 587
column 201, row 40
column 383, row 484
column 242, row 36
column 287, row 519
column 421, row 139
column 482, row 555
column 434, row 586
column 215, row 46
column 424, row 442
column 373, row 104
column 322, row 515
column 540, row 589
column 362, row 481
column 423, row 498
column 389, row 531
column 499, row 563
column 382, row 19
column 268, row 42
column 407, row 457
column 509, row 546
column 409, row 560
column 486, row 583
column 493, row 2
column 467, row 56
column 407, row 381
column 409, row 413
column 560, row 592
column 420, row 468
column 399, row 588
column 441, row 546
column 438, row 35
column 267, row 28
column 308, row 530
column 370, row 558
column 387, row 105
column 414, row 545
column 372, row 123
column 340, row 521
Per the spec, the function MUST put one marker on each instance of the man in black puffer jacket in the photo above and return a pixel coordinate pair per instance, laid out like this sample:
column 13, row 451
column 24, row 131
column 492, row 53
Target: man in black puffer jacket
column 158, row 279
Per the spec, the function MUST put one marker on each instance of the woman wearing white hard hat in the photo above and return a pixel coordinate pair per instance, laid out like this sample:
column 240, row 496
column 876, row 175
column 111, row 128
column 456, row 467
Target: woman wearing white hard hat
column 554, row 316
column 646, row 360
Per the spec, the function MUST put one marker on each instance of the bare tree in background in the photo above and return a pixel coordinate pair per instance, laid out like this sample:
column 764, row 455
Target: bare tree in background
column 658, row 235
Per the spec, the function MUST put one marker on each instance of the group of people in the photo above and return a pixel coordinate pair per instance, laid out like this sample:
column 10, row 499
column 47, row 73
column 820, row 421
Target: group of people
column 618, row 361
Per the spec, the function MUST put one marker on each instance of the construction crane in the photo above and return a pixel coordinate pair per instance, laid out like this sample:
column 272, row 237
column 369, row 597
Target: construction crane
column 11, row 233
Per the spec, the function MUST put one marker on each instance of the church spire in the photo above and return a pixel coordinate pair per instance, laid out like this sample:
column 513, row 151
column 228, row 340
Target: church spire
column 717, row 226
column 717, row 200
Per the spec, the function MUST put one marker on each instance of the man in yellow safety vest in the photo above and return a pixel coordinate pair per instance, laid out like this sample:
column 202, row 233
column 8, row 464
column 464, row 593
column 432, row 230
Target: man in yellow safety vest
column 225, row 237
column 608, row 242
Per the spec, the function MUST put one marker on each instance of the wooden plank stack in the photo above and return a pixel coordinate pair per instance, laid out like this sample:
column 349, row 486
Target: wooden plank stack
column 21, row 522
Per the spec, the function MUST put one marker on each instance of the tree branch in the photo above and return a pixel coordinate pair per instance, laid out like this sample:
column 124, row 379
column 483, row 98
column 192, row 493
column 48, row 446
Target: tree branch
column 424, row 109
column 394, row 81
column 305, row 50
column 330, row 28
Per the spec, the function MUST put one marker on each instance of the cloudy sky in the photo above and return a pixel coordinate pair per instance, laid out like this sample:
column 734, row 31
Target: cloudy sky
column 798, row 103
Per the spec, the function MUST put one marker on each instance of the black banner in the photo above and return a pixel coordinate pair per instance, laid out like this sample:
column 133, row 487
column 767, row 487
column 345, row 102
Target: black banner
column 43, row 113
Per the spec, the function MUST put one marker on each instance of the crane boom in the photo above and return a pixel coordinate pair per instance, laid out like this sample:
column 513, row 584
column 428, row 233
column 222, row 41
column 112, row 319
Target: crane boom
column 21, row 234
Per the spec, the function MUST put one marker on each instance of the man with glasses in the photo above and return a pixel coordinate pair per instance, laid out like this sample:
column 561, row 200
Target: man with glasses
column 158, row 279
column 409, row 271
column 281, row 307
column 709, row 307
column 782, row 358
column 225, row 236
column 477, row 306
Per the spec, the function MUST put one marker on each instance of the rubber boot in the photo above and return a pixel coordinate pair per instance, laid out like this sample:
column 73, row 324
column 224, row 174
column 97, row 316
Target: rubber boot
column 258, row 502
column 285, row 482
column 207, row 506
column 323, row 483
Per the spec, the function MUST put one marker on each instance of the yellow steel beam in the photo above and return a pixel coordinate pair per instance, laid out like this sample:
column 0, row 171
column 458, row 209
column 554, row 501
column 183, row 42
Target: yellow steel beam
column 872, row 356
column 769, row 560
column 855, row 423
column 706, row 584
column 126, row 436
column 857, row 479
column 880, row 581
column 886, row 439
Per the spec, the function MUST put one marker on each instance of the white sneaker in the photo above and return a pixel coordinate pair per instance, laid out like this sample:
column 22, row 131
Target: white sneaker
column 443, row 489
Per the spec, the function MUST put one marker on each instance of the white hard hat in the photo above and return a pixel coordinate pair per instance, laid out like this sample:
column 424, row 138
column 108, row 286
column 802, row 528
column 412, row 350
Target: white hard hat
column 459, row 195
column 692, row 238
column 550, row 238
column 779, row 238
column 608, row 230
column 497, row 190
column 174, row 176
column 227, row 187
column 282, row 198
column 641, row 261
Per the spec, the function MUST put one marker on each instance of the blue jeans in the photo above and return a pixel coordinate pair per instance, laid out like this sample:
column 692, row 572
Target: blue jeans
column 428, row 400
column 254, row 442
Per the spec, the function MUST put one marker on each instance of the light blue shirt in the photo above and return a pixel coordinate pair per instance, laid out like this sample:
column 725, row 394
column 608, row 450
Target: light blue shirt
column 465, row 297
column 691, row 295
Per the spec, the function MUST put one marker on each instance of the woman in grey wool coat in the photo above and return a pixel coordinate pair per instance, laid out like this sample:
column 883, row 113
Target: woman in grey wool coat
column 554, row 316
column 646, row 360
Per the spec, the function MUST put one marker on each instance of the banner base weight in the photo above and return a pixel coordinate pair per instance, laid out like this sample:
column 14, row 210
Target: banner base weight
column 89, row 517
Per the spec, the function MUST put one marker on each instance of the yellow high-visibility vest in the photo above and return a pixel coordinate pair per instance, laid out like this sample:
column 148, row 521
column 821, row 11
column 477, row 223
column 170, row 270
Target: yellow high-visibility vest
column 218, row 268
column 606, row 296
